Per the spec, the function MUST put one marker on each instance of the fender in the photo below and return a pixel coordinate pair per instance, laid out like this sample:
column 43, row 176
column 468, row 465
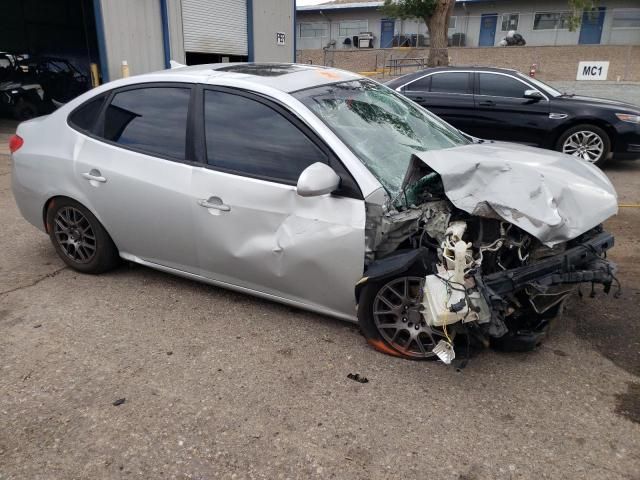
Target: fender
column 393, row 265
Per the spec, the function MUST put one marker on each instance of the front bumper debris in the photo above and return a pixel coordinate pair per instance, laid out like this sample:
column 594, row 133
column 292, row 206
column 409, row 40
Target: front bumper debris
column 583, row 263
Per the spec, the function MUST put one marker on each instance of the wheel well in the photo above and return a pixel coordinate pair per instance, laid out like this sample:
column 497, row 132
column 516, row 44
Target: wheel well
column 609, row 130
column 48, row 204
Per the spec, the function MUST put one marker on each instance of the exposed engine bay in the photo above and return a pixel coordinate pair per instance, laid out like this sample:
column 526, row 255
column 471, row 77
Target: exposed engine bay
column 479, row 275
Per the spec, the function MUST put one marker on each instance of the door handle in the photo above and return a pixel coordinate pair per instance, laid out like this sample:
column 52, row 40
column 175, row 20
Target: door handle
column 488, row 103
column 215, row 203
column 95, row 176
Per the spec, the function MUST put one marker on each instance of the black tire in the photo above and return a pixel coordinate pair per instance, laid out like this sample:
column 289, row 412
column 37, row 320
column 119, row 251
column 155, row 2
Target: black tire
column 79, row 238
column 25, row 110
column 379, row 339
column 588, row 129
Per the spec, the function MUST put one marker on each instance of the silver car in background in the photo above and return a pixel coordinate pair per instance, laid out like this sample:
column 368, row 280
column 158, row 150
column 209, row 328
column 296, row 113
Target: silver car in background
column 321, row 189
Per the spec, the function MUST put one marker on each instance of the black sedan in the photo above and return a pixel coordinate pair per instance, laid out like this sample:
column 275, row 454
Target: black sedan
column 503, row 104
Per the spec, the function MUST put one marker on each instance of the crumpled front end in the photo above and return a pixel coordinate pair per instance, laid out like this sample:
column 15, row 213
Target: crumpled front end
column 500, row 245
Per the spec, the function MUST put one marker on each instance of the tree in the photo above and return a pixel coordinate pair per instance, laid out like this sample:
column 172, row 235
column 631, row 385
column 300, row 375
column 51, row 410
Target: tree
column 436, row 15
column 577, row 7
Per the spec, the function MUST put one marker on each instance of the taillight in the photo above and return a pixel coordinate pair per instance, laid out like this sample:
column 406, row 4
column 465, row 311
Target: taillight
column 15, row 142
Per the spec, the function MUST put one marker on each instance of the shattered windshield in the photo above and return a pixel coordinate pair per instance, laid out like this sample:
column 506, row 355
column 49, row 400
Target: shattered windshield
column 380, row 126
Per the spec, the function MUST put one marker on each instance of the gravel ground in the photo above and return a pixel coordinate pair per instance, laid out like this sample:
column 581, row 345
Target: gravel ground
column 221, row 385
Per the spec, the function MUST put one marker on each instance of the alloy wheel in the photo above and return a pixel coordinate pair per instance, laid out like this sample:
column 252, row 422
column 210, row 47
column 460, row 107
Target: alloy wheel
column 397, row 315
column 74, row 235
column 584, row 144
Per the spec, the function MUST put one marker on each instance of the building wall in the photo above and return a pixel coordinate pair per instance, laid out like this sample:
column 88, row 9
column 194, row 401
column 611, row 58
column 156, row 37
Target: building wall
column 133, row 32
column 468, row 19
column 176, row 36
column 553, row 62
column 333, row 19
column 269, row 18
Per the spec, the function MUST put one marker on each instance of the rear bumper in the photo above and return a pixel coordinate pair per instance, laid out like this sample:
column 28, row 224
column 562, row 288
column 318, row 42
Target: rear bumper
column 583, row 263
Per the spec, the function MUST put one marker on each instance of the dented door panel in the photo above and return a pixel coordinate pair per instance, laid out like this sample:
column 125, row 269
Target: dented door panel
column 272, row 240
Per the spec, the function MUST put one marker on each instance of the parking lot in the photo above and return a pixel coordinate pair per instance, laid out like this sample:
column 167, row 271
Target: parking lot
column 217, row 384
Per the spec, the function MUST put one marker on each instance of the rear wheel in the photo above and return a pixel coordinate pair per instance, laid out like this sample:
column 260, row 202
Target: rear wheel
column 79, row 238
column 588, row 142
column 391, row 319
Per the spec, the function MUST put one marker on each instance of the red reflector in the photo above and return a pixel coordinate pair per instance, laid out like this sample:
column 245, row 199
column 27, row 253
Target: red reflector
column 15, row 142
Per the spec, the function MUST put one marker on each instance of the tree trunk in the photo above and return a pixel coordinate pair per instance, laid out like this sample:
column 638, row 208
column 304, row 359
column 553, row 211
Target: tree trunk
column 438, row 26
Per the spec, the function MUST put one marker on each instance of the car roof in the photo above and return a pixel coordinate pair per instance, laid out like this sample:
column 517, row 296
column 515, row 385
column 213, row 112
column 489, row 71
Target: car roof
column 412, row 76
column 286, row 77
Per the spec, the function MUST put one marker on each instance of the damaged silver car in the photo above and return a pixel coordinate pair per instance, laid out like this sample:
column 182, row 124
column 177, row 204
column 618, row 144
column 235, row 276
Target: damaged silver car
column 320, row 189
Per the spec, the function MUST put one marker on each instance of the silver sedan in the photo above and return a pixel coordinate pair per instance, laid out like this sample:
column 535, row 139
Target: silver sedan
column 321, row 189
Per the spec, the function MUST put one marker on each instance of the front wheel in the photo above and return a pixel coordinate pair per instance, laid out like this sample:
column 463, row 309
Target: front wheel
column 588, row 142
column 79, row 238
column 390, row 317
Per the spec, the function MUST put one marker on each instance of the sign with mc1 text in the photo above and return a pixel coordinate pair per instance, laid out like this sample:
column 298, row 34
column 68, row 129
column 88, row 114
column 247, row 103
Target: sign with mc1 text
column 592, row 70
column 281, row 38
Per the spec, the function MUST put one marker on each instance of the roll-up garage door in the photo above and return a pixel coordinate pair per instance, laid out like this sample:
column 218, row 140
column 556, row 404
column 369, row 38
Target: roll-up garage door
column 215, row 26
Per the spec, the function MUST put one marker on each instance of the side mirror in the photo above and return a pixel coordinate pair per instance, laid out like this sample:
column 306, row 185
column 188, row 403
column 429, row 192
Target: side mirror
column 317, row 179
column 533, row 94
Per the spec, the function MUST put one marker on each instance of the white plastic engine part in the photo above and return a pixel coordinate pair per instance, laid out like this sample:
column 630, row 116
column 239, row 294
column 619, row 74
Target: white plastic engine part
column 460, row 261
column 456, row 230
column 442, row 292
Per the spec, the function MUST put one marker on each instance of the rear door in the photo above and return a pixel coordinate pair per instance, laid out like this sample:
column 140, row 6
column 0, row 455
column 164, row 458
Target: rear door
column 447, row 94
column 133, row 169
column 503, row 113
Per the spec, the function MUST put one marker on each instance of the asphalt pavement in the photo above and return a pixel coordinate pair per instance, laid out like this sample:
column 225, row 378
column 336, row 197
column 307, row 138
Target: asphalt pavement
column 139, row 374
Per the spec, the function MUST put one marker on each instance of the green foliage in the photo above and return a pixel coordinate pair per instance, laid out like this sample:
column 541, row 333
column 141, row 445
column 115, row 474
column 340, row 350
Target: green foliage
column 577, row 7
column 408, row 8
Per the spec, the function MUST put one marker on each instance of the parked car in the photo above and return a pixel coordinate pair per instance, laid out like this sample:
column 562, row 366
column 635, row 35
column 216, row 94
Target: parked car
column 503, row 104
column 19, row 97
column 36, row 86
column 321, row 189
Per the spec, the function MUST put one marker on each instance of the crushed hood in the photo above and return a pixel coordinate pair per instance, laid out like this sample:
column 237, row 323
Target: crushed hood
column 552, row 196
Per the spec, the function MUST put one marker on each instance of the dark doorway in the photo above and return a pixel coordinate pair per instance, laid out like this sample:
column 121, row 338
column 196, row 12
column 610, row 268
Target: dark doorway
column 56, row 28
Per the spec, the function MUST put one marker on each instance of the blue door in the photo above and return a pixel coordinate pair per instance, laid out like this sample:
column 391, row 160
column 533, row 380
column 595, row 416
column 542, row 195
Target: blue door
column 488, row 24
column 387, row 28
column 591, row 30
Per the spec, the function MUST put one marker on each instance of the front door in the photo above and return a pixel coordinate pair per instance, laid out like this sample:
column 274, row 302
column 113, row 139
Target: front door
column 387, row 28
column 253, row 230
column 592, row 22
column 503, row 113
column 488, row 24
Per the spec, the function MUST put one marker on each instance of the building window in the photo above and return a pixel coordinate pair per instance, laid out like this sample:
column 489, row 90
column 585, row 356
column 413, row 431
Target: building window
column 452, row 22
column 353, row 27
column 551, row 20
column 510, row 21
column 626, row 18
column 311, row 30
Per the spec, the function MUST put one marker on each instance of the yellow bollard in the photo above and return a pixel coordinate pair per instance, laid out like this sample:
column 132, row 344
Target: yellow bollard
column 125, row 69
column 95, row 77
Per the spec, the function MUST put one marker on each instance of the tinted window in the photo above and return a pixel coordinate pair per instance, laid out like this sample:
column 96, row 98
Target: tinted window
column 455, row 82
column 84, row 118
column 150, row 119
column 246, row 136
column 501, row 86
column 420, row 85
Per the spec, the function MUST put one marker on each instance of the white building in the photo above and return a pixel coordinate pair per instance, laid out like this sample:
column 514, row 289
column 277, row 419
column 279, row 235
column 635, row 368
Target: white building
column 473, row 23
